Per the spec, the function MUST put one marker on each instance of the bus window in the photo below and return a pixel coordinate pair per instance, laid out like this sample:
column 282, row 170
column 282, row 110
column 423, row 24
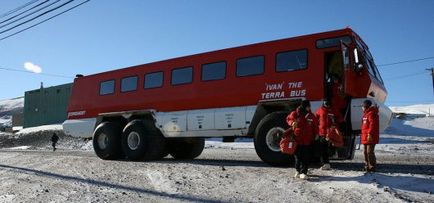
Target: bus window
column 182, row 75
column 250, row 66
column 291, row 60
column 129, row 84
column 332, row 42
column 153, row 80
column 214, row 71
column 107, row 87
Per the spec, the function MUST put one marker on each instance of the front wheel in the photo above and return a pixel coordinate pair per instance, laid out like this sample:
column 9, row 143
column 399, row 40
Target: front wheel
column 268, row 134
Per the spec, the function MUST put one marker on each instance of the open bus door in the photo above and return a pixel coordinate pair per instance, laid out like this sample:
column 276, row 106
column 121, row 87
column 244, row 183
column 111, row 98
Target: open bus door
column 346, row 152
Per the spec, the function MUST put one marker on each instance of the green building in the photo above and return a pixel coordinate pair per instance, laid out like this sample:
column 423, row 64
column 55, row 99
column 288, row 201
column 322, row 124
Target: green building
column 46, row 106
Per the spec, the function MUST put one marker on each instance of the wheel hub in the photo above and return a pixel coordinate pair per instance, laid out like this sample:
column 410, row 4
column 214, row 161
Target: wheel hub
column 102, row 141
column 133, row 140
column 273, row 137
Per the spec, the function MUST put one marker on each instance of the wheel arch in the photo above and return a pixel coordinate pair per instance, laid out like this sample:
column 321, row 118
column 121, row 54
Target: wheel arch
column 266, row 108
column 124, row 118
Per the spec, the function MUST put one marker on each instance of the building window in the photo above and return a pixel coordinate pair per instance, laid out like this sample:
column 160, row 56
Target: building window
column 153, row 80
column 291, row 60
column 250, row 66
column 214, row 71
column 182, row 76
column 129, row 84
column 107, row 87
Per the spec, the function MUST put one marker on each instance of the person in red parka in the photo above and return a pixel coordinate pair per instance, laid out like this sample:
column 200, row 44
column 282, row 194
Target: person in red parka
column 328, row 118
column 370, row 134
column 338, row 98
column 305, row 127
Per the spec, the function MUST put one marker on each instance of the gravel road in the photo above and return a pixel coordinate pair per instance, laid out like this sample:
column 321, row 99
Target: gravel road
column 218, row 175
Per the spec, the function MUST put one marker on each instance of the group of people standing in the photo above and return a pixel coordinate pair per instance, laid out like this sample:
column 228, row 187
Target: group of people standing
column 312, row 131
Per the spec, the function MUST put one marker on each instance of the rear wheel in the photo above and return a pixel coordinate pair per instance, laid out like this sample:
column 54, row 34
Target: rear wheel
column 141, row 140
column 186, row 148
column 268, row 134
column 106, row 141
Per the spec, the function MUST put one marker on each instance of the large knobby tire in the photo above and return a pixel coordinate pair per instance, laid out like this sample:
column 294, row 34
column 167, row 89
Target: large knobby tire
column 267, row 138
column 106, row 141
column 141, row 140
column 185, row 148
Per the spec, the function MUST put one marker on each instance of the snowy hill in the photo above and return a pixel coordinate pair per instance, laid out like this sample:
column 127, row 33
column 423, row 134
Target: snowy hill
column 8, row 108
column 425, row 109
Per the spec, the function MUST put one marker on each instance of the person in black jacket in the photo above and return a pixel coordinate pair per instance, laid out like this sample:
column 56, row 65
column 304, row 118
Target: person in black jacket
column 54, row 140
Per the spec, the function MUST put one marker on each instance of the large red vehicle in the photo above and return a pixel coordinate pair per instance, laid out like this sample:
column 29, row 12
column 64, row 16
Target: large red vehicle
column 168, row 107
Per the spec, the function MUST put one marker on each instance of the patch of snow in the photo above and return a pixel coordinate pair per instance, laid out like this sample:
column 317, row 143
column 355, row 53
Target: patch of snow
column 160, row 182
column 17, row 128
column 88, row 146
column 20, row 148
column 6, row 120
column 229, row 145
column 54, row 127
column 425, row 109
column 7, row 198
column 408, row 136
column 420, row 127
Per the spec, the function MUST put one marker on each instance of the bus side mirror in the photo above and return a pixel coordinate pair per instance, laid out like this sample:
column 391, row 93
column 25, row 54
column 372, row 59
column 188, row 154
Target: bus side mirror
column 358, row 66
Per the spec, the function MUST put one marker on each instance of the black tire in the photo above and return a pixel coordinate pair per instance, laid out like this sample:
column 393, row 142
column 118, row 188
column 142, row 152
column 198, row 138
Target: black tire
column 151, row 144
column 108, row 147
column 186, row 148
column 274, row 121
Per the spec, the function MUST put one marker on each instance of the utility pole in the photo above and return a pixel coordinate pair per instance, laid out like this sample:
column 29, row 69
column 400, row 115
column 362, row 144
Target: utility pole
column 432, row 75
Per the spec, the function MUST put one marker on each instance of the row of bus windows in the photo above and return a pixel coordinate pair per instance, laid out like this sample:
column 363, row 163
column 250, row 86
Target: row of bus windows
column 249, row 66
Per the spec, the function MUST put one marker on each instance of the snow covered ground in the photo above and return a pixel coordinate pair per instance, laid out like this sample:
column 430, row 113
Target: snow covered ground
column 411, row 135
column 225, row 172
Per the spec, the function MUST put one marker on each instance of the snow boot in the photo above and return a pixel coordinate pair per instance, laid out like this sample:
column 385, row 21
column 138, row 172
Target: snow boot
column 303, row 176
column 325, row 167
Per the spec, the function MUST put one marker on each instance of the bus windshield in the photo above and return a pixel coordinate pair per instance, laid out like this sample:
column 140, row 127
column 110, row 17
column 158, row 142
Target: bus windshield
column 369, row 61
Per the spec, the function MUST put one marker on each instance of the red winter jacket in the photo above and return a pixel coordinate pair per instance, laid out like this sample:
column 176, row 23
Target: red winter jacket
column 307, row 126
column 338, row 101
column 327, row 117
column 370, row 126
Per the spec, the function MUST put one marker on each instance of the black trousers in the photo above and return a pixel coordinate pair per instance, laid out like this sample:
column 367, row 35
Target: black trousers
column 323, row 147
column 302, row 158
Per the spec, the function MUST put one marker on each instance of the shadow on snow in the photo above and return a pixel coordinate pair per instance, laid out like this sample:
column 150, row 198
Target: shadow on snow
column 36, row 172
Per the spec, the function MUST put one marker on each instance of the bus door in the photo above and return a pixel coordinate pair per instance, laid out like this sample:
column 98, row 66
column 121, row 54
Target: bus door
column 346, row 152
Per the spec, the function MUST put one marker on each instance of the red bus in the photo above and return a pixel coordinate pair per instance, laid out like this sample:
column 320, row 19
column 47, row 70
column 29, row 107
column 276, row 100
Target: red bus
column 148, row 111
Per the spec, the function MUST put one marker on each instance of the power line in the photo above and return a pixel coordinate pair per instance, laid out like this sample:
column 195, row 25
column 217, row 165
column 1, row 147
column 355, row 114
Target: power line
column 17, row 9
column 46, row 12
column 25, row 71
column 34, row 25
column 406, row 76
column 27, row 14
column 24, row 12
column 407, row 61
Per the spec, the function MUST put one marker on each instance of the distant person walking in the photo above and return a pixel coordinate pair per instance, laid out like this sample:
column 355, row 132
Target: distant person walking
column 305, row 127
column 370, row 134
column 54, row 140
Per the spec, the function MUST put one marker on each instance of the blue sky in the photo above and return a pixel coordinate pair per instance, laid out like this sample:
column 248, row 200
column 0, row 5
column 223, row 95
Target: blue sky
column 107, row 34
